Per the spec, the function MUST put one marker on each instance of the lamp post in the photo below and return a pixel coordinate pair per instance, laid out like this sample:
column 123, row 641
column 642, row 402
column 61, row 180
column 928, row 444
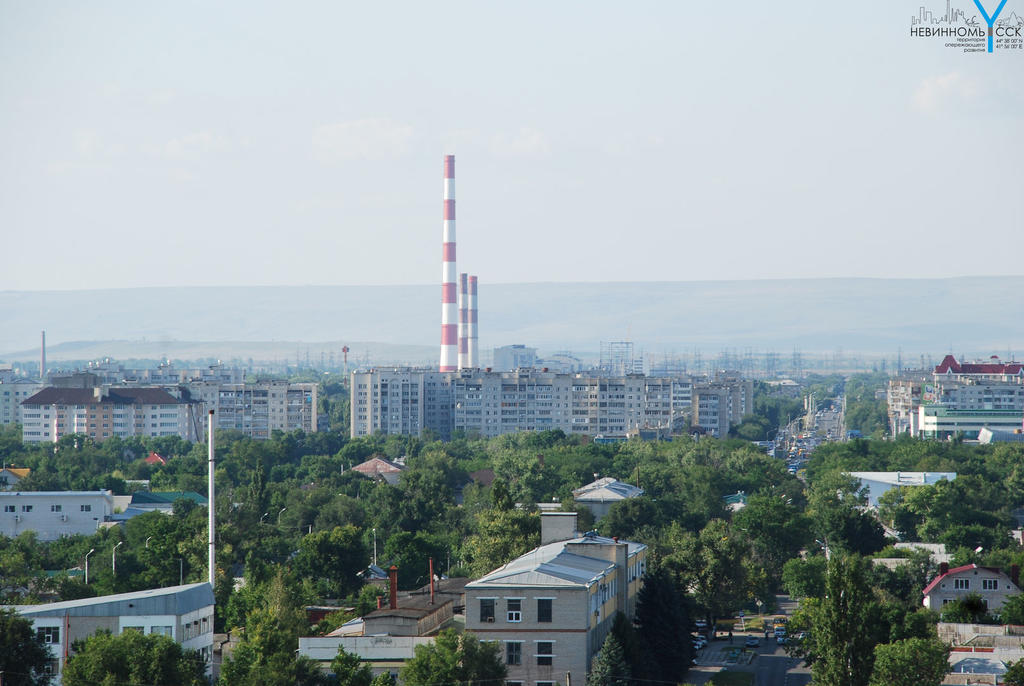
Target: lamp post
column 181, row 571
column 87, row 565
column 265, row 515
column 147, row 540
column 113, row 558
column 374, row 546
column 279, row 515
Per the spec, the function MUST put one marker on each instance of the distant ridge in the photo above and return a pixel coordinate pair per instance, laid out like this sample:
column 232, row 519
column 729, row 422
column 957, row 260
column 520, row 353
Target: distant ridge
column 967, row 314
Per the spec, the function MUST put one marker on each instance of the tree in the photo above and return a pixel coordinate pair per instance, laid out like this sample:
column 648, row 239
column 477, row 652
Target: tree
column 610, row 667
column 23, row 655
column 842, row 625
column 804, row 578
column 349, row 670
column 333, row 559
column 969, row 609
column 777, row 531
column 455, row 658
column 1012, row 611
column 1014, row 675
column 664, row 628
column 711, row 565
column 911, row 662
column 502, row 535
column 133, row 658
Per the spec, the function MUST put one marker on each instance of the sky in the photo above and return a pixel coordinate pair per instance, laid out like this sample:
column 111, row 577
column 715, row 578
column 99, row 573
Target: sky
column 256, row 143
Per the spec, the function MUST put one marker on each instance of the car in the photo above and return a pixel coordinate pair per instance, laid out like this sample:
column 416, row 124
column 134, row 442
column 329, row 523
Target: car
column 781, row 639
column 752, row 642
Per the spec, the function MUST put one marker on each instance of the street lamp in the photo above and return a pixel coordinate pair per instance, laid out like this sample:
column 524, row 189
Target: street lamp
column 279, row 515
column 374, row 546
column 113, row 558
column 147, row 540
column 181, row 572
column 265, row 515
column 87, row 564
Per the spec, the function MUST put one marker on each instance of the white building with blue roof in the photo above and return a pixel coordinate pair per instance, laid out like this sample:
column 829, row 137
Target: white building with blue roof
column 551, row 609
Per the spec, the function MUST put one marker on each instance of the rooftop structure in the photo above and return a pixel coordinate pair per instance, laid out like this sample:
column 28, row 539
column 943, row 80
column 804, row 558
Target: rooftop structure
column 878, row 483
column 601, row 494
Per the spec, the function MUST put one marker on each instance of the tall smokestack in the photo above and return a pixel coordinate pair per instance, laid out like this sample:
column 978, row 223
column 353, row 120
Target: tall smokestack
column 474, row 348
column 393, row 587
column 449, row 327
column 42, row 357
column 463, row 321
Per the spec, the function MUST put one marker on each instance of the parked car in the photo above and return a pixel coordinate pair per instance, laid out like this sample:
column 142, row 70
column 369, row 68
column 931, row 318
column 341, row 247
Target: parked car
column 752, row 642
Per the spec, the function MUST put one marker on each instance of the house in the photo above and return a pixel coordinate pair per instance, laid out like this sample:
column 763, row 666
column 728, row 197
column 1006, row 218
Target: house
column 10, row 476
column 185, row 613
column 380, row 468
column 54, row 514
column 551, row 608
column 600, row 495
column 155, row 458
column 991, row 583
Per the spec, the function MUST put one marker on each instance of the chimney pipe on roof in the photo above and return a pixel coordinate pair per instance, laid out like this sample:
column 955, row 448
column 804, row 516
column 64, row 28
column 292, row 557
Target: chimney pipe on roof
column 431, row 581
column 943, row 568
column 393, row 587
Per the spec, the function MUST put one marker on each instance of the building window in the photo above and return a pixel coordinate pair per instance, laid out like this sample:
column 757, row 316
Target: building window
column 514, row 653
column 961, row 584
column 161, row 630
column 514, row 607
column 543, row 609
column 26, row 508
column 48, row 634
column 487, row 609
column 544, row 652
column 86, row 508
column 55, row 508
column 989, row 584
column 545, row 683
column 9, row 508
column 50, row 668
column 140, row 629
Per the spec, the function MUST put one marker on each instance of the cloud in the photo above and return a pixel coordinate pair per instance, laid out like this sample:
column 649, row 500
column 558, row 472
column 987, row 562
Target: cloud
column 525, row 143
column 190, row 147
column 361, row 139
column 946, row 91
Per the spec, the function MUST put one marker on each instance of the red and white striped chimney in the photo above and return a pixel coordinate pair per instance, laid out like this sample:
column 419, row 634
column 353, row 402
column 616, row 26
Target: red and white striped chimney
column 474, row 348
column 449, row 321
column 463, row 321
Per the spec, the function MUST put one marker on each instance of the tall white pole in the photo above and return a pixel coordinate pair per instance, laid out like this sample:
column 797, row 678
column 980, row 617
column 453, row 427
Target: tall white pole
column 210, row 505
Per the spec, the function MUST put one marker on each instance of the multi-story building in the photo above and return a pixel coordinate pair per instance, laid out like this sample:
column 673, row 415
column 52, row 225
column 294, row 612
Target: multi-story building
column 108, row 371
column 991, row 583
column 257, row 408
column 14, row 391
column 721, row 404
column 102, row 412
column 551, row 608
column 185, row 613
column 54, row 514
column 492, row 403
column 957, row 399
column 509, row 358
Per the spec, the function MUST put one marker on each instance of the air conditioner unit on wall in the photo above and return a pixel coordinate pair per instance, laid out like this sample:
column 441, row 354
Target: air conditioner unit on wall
column 490, row 619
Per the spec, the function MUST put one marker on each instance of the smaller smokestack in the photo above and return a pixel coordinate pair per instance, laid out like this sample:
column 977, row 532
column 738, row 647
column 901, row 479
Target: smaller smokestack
column 474, row 339
column 379, row 599
column 393, row 583
column 464, row 321
column 431, row 581
column 42, row 357
column 943, row 568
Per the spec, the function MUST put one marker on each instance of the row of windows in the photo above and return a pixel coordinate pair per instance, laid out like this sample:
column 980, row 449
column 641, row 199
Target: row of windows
column 514, row 609
column 53, row 508
column 986, row 584
column 543, row 656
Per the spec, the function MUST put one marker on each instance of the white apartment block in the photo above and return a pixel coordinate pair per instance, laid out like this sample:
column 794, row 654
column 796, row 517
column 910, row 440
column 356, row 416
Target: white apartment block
column 185, row 613
column 721, row 404
column 102, row 412
column 551, row 608
column 491, row 403
column 509, row 358
column 258, row 408
column 54, row 514
column 14, row 391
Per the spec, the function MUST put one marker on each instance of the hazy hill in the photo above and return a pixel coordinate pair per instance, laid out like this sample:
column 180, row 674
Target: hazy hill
column 973, row 315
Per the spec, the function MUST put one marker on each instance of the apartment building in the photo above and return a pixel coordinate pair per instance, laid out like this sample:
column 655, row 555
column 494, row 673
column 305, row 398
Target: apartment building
column 551, row 608
column 257, row 408
column 185, row 613
column 14, row 391
column 509, row 358
column 54, row 514
column 102, row 412
column 957, row 399
column 492, row 403
column 721, row 404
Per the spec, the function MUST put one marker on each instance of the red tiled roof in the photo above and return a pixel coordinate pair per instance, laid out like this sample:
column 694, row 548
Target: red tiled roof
column 377, row 465
column 155, row 458
column 956, row 570
column 949, row 364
